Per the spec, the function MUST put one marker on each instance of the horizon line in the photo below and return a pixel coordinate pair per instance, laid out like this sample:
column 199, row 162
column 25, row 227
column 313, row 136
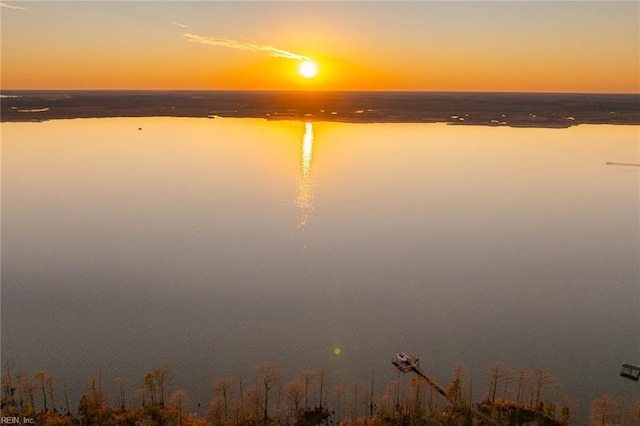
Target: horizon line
column 321, row 91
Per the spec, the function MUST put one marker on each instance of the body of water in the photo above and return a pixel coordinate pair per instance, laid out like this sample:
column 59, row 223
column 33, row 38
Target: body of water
column 212, row 245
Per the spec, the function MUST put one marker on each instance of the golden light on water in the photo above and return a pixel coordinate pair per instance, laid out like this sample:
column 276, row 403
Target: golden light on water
column 307, row 149
column 305, row 183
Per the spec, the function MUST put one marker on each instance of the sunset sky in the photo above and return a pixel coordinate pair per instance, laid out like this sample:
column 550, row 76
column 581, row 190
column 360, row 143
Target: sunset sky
column 577, row 46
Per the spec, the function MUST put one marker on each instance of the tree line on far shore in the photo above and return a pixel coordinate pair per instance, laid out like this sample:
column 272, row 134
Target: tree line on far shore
column 312, row 397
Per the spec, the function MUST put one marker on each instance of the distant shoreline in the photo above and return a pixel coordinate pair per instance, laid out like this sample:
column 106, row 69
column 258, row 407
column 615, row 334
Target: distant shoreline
column 541, row 110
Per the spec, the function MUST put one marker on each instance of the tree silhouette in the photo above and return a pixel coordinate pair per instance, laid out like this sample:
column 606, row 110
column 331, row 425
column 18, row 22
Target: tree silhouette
column 27, row 391
column 271, row 403
column 293, row 393
column 541, row 379
column 307, row 378
column 149, row 384
column 497, row 374
column 42, row 375
column 357, row 389
column 522, row 378
column 7, row 384
column 178, row 403
column 454, row 392
column 121, row 381
column 268, row 376
column 339, row 393
column 161, row 375
column 223, row 388
column 604, row 411
column 65, row 387
column 216, row 408
column 50, row 382
column 418, row 383
column 322, row 375
column 93, row 408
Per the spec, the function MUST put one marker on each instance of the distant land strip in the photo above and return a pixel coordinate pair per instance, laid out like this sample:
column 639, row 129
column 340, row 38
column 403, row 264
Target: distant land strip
column 548, row 110
column 613, row 163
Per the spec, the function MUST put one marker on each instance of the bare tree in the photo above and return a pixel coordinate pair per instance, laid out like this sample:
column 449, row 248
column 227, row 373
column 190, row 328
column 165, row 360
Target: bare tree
column 255, row 399
column 356, row 388
column 370, row 398
column 178, row 402
column 162, row 375
column 604, row 411
column 240, row 409
column 121, row 381
column 386, row 404
column 340, row 394
column 307, row 378
column 322, row 375
column 541, row 378
column 149, row 384
column 7, row 384
column 522, row 377
column 42, row 376
column 216, row 408
column 268, row 376
column 497, row 374
column 223, row 388
column 418, row 383
column 455, row 388
column 65, row 386
column 27, row 390
column 293, row 393
column 50, row 381
column 94, row 403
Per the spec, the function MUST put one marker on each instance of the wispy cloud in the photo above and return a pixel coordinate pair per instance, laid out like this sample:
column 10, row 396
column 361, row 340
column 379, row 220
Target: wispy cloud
column 179, row 24
column 233, row 44
column 9, row 6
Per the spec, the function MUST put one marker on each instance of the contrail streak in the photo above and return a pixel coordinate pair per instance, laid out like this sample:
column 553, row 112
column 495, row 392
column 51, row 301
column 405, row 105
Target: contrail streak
column 233, row 44
column 9, row 6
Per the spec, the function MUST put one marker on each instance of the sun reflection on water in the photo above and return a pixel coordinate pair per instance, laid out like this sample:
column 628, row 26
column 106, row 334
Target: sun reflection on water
column 305, row 181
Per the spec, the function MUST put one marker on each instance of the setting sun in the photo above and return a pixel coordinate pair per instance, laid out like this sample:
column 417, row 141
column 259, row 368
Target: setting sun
column 231, row 212
column 308, row 69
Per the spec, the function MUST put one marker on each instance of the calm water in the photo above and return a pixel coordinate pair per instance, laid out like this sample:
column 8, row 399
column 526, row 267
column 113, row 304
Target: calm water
column 212, row 245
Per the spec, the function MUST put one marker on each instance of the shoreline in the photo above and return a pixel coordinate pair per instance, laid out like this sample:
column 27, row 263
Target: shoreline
column 484, row 109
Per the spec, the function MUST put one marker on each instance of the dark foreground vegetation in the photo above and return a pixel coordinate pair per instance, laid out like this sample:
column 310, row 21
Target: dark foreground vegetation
column 555, row 110
column 314, row 397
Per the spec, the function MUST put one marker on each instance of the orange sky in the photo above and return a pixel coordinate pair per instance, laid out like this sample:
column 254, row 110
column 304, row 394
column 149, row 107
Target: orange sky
column 468, row 46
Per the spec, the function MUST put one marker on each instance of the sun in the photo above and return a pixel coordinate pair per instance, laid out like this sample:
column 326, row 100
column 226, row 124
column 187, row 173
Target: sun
column 308, row 69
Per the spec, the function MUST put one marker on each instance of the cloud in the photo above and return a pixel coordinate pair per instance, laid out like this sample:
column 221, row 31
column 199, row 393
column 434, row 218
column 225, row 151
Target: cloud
column 233, row 44
column 179, row 24
column 8, row 6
